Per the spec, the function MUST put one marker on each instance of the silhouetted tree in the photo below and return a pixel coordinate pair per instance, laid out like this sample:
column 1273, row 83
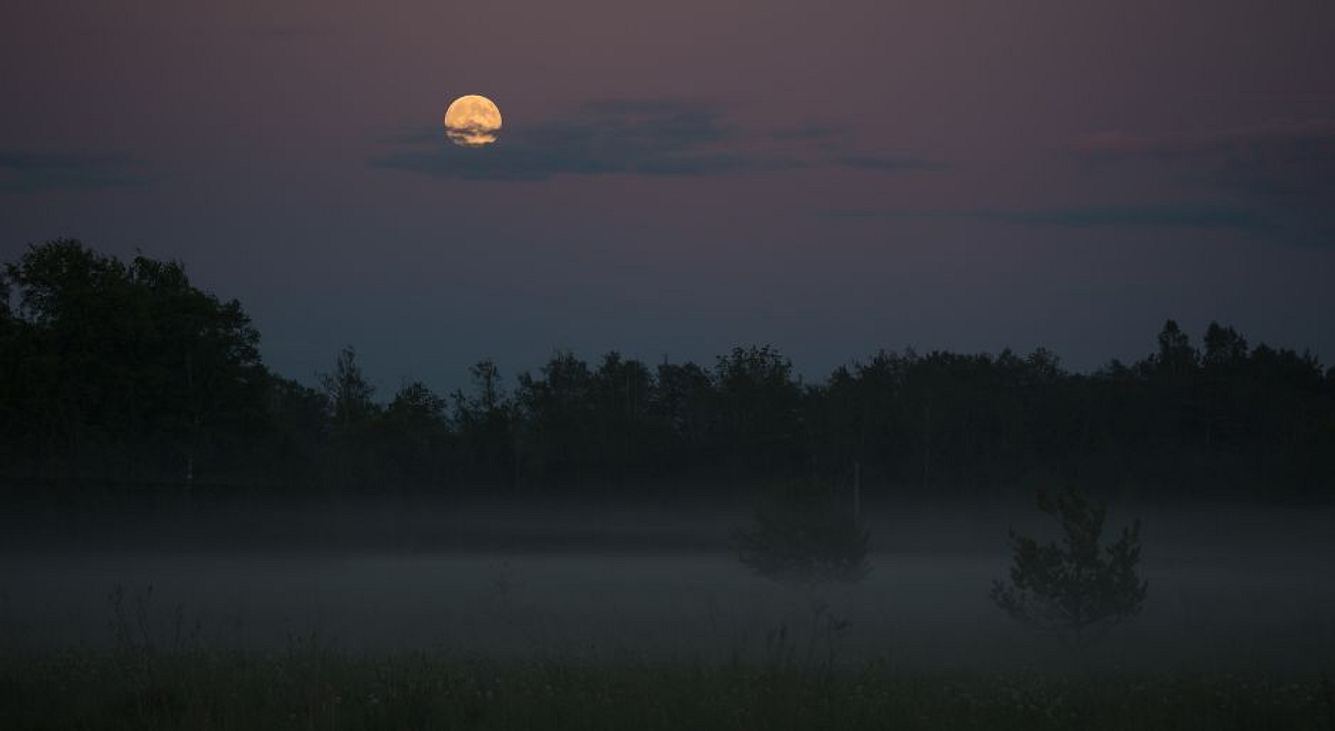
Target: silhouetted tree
column 129, row 368
column 414, row 437
column 685, row 410
column 5, row 316
column 348, row 391
column 10, row 354
column 486, row 425
column 1176, row 357
column 352, row 450
column 296, row 431
column 622, row 391
column 203, row 363
column 760, row 408
column 558, row 411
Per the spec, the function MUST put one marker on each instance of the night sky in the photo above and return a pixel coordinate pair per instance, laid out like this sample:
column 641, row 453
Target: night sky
column 677, row 178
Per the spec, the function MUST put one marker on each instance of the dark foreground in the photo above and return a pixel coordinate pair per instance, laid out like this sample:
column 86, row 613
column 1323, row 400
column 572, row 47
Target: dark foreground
column 312, row 687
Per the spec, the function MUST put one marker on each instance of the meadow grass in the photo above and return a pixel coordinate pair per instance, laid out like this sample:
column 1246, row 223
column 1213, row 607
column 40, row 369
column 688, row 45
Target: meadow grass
column 314, row 687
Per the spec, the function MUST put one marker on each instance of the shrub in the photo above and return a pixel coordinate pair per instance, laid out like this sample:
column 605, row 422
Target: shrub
column 1077, row 588
column 806, row 535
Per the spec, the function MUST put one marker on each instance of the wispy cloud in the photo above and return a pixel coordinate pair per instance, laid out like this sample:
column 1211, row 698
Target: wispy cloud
column 290, row 32
column 27, row 171
column 810, row 132
column 1167, row 215
column 600, row 138
column 1275, row 180
column 1267, row 140
column 887, row 163
column 648, row 137
column 1285, row 169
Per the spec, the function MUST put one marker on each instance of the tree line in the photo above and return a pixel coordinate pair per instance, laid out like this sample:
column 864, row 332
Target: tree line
column 124, row 374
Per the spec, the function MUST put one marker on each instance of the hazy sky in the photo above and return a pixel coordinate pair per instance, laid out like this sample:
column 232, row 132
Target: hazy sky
column 676, row 178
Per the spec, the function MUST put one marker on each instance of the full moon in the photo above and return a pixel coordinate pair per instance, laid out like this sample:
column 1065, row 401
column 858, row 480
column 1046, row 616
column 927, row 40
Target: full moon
column 472, row 121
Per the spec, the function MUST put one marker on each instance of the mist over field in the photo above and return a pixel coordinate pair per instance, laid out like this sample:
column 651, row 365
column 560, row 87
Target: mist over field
column 1230, row 586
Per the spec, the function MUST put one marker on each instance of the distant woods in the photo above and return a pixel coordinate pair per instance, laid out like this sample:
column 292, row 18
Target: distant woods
column 124, row 375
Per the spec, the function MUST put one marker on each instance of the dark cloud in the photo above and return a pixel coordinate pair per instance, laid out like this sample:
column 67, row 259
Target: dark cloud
column 1277, row 180
column 652, row 137
column 24, row 171
column 887, row 163
column 1281, row 140
column 632, row 137
column 1285, row 169
column 808, row 133
column 287, row 32
column 1168, row 215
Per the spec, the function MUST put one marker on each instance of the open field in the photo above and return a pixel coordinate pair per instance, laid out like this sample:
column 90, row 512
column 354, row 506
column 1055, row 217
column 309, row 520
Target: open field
column 642, row 620
column 308, row 686
column 1229, row 589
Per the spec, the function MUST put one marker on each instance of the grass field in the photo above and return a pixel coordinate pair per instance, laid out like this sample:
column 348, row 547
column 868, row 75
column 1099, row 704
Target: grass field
column 310, row 687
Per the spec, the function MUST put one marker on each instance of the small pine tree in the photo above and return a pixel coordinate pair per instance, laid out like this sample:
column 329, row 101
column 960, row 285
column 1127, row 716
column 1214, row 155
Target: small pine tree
column 1079, row 588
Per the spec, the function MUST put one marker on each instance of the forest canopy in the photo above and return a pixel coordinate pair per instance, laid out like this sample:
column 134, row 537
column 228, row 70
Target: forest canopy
column 125, row 376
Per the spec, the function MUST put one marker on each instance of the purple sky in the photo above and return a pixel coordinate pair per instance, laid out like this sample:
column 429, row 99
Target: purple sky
column 677, row 178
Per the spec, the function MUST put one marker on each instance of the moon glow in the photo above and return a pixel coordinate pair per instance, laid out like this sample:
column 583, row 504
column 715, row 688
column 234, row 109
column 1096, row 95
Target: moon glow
column 472, row 121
